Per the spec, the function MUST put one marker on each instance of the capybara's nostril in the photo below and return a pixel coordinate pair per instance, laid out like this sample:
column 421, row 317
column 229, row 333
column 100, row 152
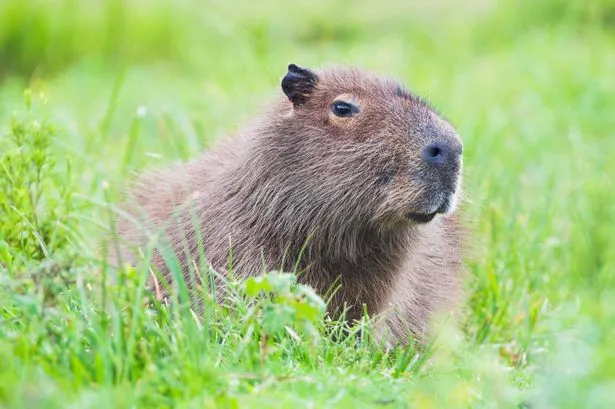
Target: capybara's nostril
column 433, row 152
column 442, row 154
column 436, row 154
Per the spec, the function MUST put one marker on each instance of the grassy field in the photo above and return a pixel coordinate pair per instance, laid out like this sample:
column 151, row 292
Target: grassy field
column 91, row 92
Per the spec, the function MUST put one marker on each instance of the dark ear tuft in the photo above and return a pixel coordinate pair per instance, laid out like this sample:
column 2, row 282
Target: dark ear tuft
column 298, row 83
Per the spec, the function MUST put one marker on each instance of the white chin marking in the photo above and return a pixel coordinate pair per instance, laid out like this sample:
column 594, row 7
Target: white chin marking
column 454, row 199
column 453, row 203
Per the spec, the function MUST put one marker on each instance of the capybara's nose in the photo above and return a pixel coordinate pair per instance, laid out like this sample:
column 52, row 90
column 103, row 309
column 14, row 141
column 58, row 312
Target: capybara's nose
column 442, row 154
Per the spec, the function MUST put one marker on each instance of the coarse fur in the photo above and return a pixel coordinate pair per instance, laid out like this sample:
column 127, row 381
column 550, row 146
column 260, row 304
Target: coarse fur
column 346, row 200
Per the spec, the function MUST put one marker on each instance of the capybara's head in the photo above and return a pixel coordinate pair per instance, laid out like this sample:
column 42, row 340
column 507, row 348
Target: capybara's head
column 353, row 147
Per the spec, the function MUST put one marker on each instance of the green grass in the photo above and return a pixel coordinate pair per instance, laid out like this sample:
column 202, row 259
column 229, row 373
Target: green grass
column 119, row 86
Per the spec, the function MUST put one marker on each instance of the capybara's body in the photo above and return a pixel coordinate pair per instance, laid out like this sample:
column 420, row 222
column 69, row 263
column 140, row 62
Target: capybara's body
column 350, row 180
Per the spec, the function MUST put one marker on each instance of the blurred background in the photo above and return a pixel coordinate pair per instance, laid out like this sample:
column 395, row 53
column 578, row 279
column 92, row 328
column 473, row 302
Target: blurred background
column 507, row 73
column 530, row 86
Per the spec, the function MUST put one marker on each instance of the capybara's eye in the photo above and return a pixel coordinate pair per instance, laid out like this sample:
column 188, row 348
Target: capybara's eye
column 344, row 109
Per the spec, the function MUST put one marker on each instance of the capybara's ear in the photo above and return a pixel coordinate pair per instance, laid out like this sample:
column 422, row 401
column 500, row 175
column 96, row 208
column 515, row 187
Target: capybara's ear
column 298, row 84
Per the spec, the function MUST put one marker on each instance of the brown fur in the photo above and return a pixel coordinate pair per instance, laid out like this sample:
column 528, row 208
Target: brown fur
column 300, row 185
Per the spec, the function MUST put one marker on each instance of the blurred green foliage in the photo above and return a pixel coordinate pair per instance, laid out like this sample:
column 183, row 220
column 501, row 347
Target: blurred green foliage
column 35, row 202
